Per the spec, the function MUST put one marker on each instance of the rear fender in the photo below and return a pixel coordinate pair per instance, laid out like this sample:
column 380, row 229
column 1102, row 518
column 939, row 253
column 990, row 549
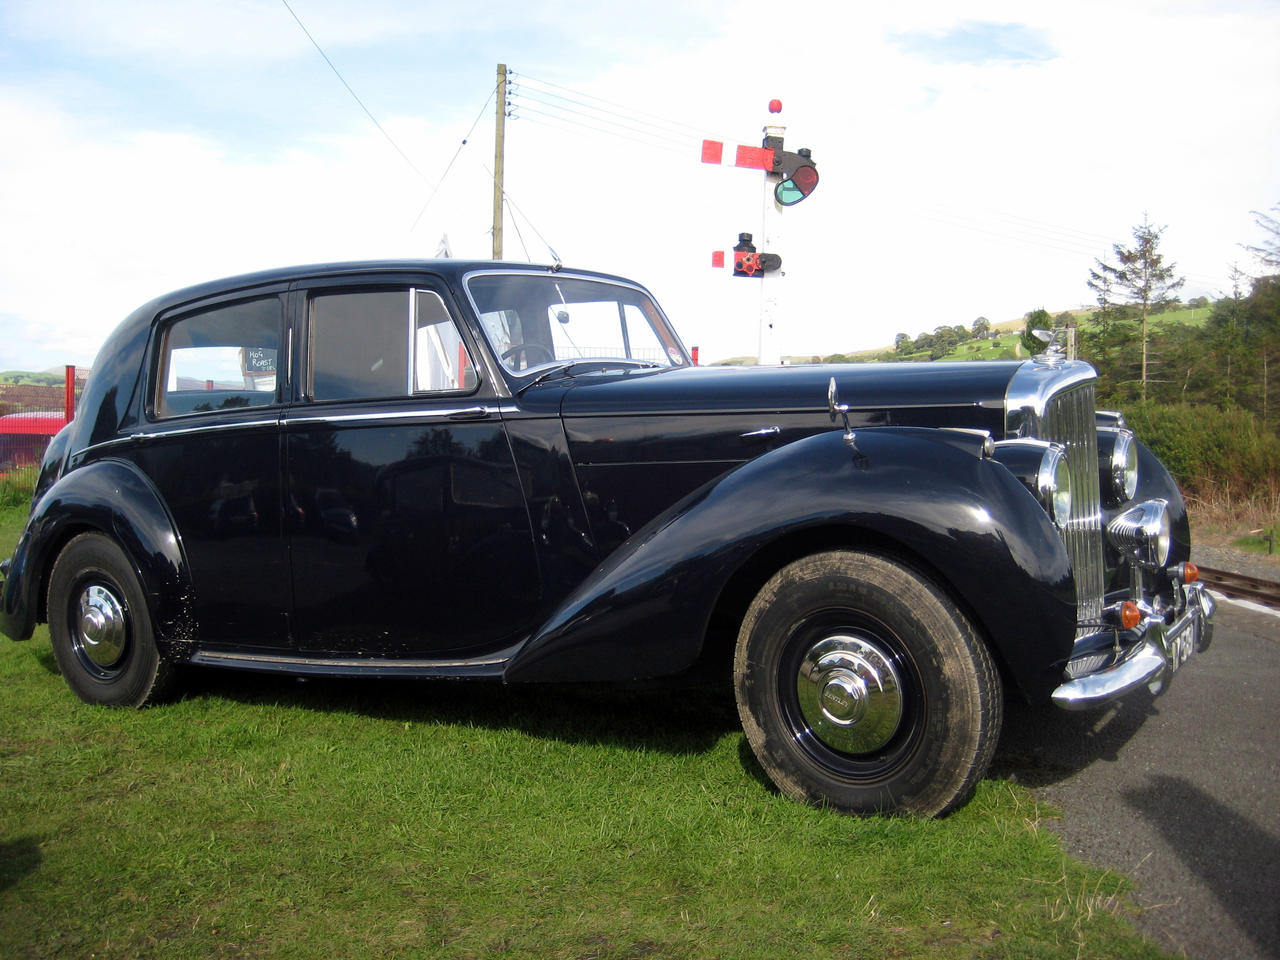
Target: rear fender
column 644, row 612
column 114, row 498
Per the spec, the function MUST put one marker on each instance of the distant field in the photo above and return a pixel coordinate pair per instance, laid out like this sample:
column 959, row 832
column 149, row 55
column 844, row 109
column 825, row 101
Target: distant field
column 44, row 379
column 1006, row 345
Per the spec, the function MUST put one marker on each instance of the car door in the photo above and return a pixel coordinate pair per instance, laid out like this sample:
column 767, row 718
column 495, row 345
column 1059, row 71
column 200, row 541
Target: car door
column 211, row 446
column 408, row 527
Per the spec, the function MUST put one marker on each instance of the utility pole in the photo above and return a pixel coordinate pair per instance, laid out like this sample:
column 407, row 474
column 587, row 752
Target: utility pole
column 499, row 137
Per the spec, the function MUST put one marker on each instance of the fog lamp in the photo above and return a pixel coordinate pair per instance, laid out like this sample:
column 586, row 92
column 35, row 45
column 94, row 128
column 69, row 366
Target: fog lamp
column 1142, row 532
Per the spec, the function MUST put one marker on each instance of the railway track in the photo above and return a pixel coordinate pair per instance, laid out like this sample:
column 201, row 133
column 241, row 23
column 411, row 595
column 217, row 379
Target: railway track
column 1238, row 585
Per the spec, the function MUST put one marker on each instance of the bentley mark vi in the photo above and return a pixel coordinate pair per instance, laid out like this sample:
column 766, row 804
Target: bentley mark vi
column 479, row 469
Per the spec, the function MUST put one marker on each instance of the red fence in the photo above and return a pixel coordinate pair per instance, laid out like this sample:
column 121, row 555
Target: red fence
column 31, row 413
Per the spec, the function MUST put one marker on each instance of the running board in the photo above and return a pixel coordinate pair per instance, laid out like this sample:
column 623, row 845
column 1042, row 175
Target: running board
column 491, row 666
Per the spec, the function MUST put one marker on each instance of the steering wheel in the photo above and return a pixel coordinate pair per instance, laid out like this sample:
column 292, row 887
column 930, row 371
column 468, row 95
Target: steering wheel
column 524, row 351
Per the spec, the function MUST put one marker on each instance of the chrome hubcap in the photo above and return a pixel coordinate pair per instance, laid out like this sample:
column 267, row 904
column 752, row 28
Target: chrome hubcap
column 101, row 631
column 850, row 694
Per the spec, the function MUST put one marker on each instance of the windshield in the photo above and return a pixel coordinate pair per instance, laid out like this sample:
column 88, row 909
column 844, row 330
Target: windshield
column 533, row 320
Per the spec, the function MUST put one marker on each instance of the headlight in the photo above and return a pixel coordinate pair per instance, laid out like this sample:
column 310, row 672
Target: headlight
column 1142, row 532
column 1054, row 485
column 1042, row 468
column 1117, row 465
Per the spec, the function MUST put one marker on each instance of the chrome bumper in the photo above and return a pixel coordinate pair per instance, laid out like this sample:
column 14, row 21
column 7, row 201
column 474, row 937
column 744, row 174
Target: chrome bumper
column 1156, row 650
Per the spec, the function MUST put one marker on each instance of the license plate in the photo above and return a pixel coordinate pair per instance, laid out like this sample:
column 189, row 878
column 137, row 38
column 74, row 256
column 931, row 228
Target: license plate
column 1181, row 647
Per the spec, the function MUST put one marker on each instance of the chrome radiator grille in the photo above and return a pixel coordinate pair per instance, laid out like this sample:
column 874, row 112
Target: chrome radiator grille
column 1068, row 419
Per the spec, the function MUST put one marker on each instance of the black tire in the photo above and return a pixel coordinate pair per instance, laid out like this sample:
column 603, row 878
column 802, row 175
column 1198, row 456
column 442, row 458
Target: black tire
column 862, row 687
column 100, row 627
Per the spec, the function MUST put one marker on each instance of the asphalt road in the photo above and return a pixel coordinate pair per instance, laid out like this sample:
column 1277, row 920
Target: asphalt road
column 1179, row 792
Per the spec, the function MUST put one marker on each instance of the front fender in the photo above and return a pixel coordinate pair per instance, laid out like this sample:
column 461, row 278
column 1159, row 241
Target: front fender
column 645, row 611
column 114, row 498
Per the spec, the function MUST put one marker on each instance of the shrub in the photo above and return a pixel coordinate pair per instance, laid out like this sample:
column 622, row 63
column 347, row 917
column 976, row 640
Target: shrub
column 1210, row 452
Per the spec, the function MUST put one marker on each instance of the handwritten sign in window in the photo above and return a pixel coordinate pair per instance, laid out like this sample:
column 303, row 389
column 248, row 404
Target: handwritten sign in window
column 258, row 361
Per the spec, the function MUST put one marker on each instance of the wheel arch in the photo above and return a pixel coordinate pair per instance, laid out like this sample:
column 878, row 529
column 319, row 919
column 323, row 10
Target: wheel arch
column 747, row 581
column 115, row 499
column 676, row 587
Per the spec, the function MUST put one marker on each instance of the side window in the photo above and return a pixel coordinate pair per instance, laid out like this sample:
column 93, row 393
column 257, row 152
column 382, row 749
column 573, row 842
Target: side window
column 441, row 360
column 220, row 359
column 385, row 343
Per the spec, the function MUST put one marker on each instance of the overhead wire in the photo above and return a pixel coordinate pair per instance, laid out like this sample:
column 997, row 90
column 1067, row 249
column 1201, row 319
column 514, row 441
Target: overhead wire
column 507, row 198
column 368, row 113
column 596, row 124
column 572, row 124
column 444, row 176
column 635, row 113
column 609, row 118
column 631, row 124
column 1027, row 231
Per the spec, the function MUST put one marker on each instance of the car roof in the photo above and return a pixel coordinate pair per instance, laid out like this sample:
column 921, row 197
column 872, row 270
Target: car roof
column 452, row 270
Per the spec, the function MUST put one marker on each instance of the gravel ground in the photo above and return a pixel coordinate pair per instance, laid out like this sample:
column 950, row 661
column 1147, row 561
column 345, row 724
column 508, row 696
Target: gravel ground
column 1237, row 561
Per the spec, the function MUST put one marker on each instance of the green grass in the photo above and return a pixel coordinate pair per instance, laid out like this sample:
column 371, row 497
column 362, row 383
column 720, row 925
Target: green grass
column 1266, row 540
column 266, row 817
column 15, row 490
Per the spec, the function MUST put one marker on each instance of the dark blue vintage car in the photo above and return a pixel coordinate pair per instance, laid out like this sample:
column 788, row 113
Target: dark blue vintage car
column 478, row 469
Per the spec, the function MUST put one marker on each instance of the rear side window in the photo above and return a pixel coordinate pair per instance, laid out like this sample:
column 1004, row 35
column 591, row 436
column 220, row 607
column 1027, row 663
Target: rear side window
column 385, row 343
column 220, row 359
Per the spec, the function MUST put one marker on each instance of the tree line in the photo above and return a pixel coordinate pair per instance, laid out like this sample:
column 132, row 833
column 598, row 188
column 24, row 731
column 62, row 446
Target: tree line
column 1204, row 394
column 1228, row 363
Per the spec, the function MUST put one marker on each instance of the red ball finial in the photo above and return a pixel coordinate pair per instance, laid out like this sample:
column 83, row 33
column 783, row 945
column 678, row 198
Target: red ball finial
column 775, row 106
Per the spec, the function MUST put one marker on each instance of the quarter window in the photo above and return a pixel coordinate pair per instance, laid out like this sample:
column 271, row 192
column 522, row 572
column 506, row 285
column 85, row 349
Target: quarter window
column 220, row 359
column 385, row 343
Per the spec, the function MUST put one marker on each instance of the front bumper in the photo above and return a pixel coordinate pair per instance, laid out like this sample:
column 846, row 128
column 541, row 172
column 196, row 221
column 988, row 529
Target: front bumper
column 1148, row 655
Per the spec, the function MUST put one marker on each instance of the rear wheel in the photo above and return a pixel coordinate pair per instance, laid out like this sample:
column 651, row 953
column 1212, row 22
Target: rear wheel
column 861, row 686
column 100, row 627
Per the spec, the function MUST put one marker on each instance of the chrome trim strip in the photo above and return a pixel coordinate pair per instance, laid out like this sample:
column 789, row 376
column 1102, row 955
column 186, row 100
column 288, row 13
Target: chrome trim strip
column 183, row 431
column 415, row 414
column 215, row 656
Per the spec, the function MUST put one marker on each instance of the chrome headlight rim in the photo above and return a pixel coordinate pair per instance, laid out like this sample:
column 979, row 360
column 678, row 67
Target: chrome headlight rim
column 1053, row 483
column 1120, row 472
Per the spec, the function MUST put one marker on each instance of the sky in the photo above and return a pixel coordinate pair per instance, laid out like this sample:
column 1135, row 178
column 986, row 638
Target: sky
column 975, row 158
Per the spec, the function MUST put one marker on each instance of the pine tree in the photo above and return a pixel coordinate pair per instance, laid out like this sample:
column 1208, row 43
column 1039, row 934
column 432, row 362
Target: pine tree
column 1141, row 276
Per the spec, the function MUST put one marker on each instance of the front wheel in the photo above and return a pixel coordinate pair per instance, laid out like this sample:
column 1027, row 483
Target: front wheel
column 862, row 687
column 100, row 627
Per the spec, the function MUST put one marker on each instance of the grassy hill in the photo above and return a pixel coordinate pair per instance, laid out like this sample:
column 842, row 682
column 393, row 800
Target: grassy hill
column 1005, row 343
column 45, row 378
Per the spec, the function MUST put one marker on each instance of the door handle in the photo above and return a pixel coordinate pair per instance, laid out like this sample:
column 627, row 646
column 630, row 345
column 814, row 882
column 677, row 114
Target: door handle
column 471, row 413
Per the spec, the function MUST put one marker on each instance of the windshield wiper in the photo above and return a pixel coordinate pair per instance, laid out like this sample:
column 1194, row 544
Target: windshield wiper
column 548, row 374
column 566, row 368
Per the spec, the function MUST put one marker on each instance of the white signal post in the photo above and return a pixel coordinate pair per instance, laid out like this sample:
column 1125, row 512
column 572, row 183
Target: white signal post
column 770, row 283
column 789, row 178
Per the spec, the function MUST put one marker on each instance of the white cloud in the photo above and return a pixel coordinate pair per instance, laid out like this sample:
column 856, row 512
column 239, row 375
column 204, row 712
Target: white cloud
column 948, row 190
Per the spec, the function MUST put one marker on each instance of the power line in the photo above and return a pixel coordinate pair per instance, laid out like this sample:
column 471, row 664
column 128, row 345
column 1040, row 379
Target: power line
column 506, row 198
column 444, row 176
column 357, row 99
column 634, row 113
column 558, row 111
column 578, row 127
